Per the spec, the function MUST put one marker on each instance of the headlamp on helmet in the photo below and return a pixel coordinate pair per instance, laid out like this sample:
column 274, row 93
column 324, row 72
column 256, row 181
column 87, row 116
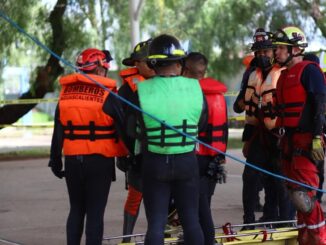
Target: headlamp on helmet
column 262, row 40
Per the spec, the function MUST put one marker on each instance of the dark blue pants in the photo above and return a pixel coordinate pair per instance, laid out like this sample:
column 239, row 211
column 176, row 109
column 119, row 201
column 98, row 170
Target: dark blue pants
column 88, row 179
column 207, row 187
column 175, row 176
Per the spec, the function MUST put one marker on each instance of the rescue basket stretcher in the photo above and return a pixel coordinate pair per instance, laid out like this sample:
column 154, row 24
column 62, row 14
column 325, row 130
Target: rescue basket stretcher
column 228, row 234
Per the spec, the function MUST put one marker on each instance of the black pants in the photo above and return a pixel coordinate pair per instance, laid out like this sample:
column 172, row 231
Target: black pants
column 277, row 203
column 207, row 187
column 321, row 169
column 88, row 179
column 175, row 176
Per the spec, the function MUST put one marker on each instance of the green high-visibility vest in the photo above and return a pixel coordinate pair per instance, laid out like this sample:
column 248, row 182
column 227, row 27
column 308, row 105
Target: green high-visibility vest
column 178, row 101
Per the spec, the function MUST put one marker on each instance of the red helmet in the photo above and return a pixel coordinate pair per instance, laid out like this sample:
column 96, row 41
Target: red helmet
column 90, row 58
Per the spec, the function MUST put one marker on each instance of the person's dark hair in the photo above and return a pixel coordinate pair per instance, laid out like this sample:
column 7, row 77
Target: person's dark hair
column 197, row 57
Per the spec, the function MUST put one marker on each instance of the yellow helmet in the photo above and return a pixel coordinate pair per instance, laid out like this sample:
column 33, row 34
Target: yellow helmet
column 291, row 36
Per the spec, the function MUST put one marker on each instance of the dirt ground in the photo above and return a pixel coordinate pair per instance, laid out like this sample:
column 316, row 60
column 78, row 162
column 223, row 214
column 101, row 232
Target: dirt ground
column 34, row 203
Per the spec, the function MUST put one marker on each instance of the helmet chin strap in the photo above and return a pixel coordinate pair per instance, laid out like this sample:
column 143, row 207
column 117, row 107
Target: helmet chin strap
column 288, row 58
column 291, row 56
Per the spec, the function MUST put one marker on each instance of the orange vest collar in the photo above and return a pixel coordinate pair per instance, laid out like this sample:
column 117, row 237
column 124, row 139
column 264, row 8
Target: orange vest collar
column 128, row 72
column 77, row 77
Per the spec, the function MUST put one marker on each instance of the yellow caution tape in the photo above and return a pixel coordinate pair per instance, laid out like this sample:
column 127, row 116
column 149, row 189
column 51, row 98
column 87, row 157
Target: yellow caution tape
column 40, row 125
column 237, row 118
column 28, row 101
column 54, row 100
column 50, row 125
column 232, row 93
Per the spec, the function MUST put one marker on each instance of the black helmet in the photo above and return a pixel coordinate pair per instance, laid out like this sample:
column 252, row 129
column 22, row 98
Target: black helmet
column 165, row 48
column 140, row 53
column 262, row 40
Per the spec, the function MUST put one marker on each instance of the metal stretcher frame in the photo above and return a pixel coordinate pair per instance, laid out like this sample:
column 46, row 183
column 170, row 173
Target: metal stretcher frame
column 265, row 233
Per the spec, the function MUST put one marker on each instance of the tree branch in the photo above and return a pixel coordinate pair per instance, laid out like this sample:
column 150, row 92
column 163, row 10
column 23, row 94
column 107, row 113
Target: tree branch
column 47, row 75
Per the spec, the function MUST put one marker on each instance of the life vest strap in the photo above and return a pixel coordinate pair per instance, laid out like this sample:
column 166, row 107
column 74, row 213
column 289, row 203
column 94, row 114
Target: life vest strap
column 290, row 114
column 177, row 127
column 80, row 127
column 273, row 91
column 162, row 136
column 169, row 136
column 89, row 136
column 269, row 111
column 291, row 105
column 209, row 138
column 171, row 143
column 91, row 128
column 251, row 105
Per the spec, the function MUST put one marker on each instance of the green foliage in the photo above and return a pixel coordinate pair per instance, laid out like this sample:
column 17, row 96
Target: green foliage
column 21, row 17
column 221, row 29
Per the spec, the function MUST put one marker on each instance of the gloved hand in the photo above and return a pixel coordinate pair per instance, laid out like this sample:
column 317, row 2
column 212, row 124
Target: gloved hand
column 216, row 170
column 56, row 167
column 124, row 163
column 317, row 149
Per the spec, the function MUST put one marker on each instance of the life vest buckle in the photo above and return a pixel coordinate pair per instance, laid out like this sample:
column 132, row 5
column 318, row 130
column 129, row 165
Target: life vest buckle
column 281, row 132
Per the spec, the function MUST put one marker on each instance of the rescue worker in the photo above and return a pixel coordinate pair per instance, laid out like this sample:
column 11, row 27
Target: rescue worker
column 169, row 160
column 210, row 163
column 239, row 107
column 138, row 72
column 261, row 146
column 301, row 94
column 89, row 141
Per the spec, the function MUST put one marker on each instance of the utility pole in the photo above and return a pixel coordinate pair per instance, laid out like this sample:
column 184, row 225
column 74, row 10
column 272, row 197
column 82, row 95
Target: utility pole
column 134, row 13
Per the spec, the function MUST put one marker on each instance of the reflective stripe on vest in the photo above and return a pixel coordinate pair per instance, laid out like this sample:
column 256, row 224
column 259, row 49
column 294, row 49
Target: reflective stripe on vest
column 291, row 95
column 216, row 131
column 87, row 129
column 177, row 101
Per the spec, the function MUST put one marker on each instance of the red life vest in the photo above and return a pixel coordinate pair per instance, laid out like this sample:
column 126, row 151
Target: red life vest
column 291, row 95
column 132, row 77
column 217, row 130
column 87, row 129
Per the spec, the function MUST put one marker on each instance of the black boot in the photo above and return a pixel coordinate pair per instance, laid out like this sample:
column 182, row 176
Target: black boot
column 129, row 222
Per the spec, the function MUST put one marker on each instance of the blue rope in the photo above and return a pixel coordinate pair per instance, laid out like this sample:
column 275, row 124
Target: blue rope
column 67, row 63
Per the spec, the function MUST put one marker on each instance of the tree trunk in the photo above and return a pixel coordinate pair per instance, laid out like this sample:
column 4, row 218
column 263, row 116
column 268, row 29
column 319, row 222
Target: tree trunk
column 46, row 76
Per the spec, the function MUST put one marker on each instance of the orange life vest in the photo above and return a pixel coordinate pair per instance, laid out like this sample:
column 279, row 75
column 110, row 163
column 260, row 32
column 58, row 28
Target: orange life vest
column 268, row 95
column 260, row 95
column 87, row 129
column 217, row 131
column 132, row 77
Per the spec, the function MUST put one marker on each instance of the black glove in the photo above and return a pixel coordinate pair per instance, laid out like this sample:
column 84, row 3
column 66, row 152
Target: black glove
column 56, row 167
column 124, row 163
column 216, row 171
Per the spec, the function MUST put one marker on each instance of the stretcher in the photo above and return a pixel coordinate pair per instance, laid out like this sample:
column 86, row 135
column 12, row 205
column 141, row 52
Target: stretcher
column 265, row 232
